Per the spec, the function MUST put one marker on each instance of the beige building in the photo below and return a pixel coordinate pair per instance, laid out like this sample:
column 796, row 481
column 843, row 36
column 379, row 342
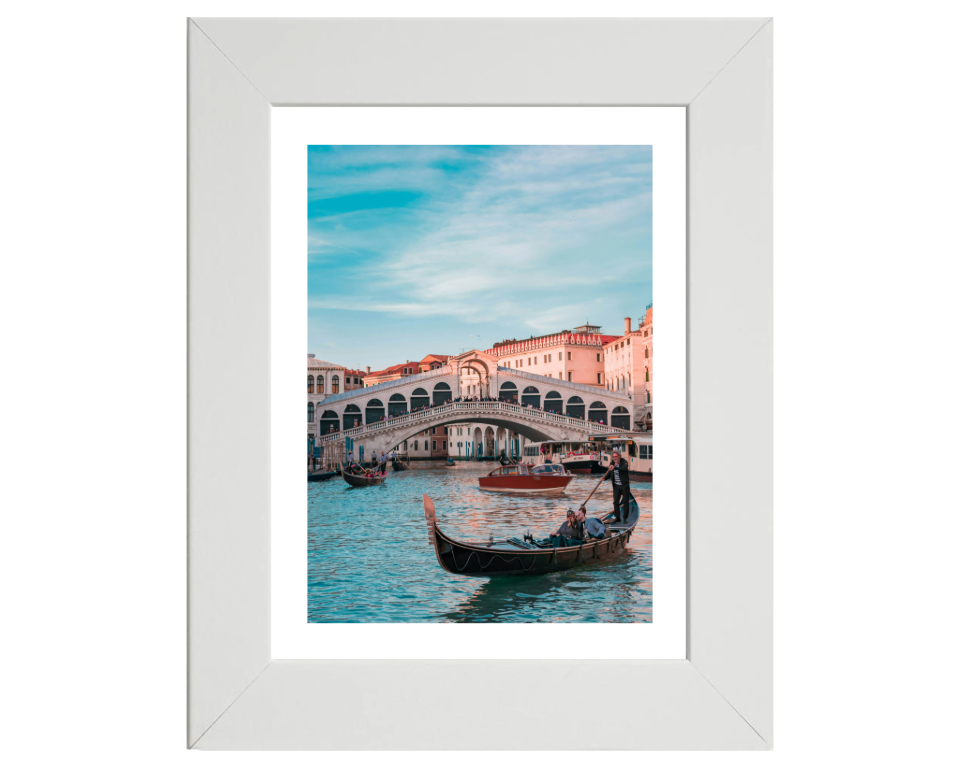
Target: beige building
column 325, row 379
column 628, row 367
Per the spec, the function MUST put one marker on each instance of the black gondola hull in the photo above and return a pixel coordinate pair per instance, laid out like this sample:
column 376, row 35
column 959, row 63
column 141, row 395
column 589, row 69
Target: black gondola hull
column 465, row 559
column 360, row 481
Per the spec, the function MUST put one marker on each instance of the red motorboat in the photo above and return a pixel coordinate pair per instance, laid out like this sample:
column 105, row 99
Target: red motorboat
column 543, row 478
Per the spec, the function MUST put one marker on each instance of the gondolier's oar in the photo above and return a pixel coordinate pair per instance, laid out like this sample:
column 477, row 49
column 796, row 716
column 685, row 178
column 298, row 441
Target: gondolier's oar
column 583, row 506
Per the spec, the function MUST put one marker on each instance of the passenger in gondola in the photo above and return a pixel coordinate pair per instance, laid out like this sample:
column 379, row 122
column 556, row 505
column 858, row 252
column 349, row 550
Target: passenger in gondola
column 572, row 527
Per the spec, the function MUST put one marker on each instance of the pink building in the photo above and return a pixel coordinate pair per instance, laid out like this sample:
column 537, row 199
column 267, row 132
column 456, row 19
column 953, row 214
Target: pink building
column 575, row 356
column 628, row 367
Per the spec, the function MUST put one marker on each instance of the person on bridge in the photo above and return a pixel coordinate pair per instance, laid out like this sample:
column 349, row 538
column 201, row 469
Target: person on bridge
column 620, row 479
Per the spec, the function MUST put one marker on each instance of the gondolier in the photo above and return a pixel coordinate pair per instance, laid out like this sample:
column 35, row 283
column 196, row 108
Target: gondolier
column 620, row 479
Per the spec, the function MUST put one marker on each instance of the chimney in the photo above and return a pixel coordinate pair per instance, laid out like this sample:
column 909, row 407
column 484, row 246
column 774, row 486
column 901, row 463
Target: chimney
column 368, row 369
column 626, row 326
column 311, row 356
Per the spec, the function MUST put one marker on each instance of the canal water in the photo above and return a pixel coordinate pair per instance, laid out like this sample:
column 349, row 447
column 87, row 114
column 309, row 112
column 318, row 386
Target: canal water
column 370, row 559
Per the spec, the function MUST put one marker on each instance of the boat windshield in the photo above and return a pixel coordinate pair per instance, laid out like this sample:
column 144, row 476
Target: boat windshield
column 548, row 469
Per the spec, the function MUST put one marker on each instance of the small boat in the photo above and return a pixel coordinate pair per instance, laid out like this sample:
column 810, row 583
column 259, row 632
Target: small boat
column 543, row 478
column 320, row 475
column 360, row 481
column 518, row 557
column 451, row 463
column 399, row 466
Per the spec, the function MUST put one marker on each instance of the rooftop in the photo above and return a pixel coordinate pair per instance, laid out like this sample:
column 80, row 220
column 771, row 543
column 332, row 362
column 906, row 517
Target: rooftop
column 312, row 362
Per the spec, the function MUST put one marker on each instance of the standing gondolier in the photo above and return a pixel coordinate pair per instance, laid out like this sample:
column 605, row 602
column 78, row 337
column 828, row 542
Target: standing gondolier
column 620, row 478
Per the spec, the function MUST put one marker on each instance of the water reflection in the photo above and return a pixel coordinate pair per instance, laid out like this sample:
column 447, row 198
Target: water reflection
column 370, row 559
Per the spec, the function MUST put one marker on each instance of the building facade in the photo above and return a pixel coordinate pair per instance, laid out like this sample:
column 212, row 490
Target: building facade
column 398, row 371
column 470, row 440
column 323, row 380
column 628, row 367
column 432, row 443
column 575, row 356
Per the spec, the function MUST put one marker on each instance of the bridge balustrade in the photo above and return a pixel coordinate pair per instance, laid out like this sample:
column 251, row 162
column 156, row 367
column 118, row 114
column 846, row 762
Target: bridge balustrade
column 467, row 408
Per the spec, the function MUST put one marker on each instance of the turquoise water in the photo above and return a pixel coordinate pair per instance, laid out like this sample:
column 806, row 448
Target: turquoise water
column 369, row 558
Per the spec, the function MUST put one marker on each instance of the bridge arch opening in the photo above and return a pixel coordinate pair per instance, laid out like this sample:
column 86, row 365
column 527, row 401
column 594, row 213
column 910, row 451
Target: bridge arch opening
column 620, row 418
column 351, row 416
column 598, row 413
column 553, row 402
column 530, row 396
column 329, row 422
column 508, row 391
column 397, row 405
column 442, row 393
column 375, row 411
column 419, row 399
column 575, row 407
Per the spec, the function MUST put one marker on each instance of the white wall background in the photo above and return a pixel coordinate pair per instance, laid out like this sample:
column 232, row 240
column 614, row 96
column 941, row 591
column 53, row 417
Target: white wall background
column 92, row 303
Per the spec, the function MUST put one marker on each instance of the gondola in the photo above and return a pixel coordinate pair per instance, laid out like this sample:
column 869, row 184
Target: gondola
column 399, row 466
column 360, row 481
column 321, row 475
column 518, row 557
column 504, row 462
column 451, row 463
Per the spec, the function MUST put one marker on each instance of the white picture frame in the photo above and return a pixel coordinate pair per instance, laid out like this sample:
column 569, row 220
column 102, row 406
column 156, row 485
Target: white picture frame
column 721, row 696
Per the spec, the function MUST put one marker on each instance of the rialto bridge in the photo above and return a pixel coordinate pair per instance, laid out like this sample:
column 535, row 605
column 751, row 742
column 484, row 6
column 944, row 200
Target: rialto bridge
column 537, row 407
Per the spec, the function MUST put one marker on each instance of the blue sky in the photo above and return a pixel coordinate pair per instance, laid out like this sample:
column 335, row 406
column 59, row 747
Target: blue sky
column 414, row 250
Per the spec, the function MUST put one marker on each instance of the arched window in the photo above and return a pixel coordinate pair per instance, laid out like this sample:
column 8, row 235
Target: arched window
column 508, row 391
column 319, row 385
column 310, row 412
column 374, row 411
column 419, row 398
column 530, row 396
column 335, row 385
column 598, row 412
column 329, row 422
column 397, row 405
column 416, row 445
column 351, row 416
column 575, row 407
column 553, row 402
column 646, row 352
column 620, row 418
column 441, row 393
column 309, row 385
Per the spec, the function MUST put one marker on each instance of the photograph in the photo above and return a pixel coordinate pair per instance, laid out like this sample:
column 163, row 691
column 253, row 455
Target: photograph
column 480, row 383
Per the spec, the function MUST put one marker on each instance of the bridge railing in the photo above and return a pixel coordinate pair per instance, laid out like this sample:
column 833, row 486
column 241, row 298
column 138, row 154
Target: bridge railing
column 467, row 408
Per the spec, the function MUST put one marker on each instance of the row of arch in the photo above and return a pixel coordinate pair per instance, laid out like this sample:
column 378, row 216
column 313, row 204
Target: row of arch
column 320, row 384
column 397, row 406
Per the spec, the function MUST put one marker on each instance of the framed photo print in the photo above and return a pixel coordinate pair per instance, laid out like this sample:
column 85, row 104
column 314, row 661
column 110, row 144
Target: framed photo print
column 462, row 228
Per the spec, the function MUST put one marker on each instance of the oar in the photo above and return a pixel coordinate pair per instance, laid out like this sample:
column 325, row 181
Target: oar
column 583, row 506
